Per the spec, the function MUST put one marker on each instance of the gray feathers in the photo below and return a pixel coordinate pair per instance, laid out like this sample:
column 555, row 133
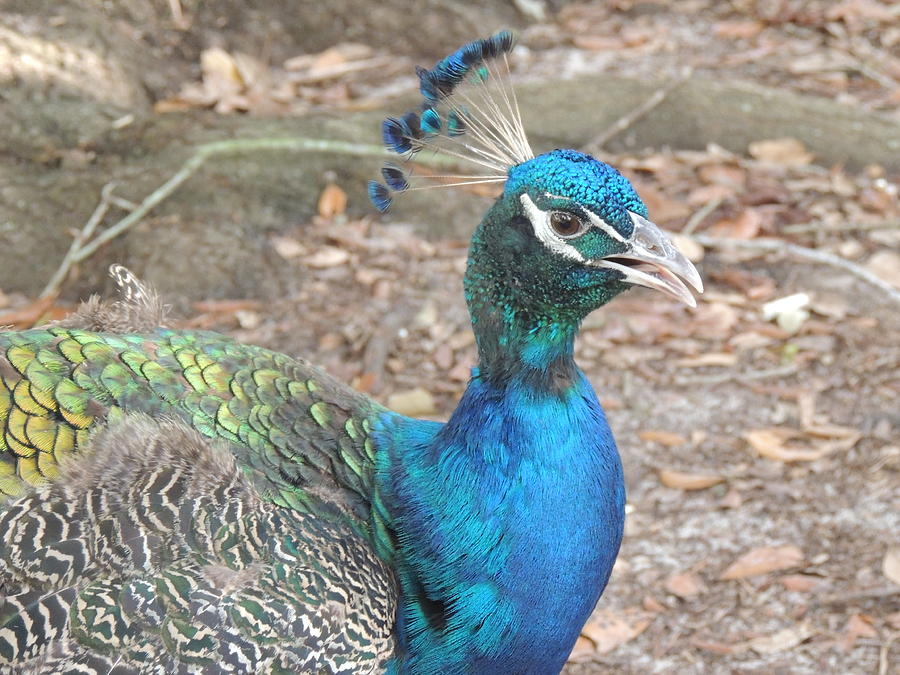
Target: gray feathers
column 155, row 554
column 139, row 310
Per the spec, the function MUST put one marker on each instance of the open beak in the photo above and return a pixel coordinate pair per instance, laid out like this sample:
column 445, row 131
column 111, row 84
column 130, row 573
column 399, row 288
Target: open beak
column 652, row 260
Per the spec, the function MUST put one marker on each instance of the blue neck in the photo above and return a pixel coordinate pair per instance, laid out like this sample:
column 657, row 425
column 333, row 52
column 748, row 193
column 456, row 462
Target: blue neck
column 510, row 515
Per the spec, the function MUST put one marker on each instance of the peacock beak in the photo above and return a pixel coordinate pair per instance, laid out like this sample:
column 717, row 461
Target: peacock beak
column 651, row 260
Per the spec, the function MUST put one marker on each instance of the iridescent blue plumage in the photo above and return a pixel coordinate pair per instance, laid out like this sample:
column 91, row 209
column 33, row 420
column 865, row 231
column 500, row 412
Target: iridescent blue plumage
column 431, row 121
column 379, row 195
column 592, row 184
column 394, row 177
column 475, row 546
column 504, row 523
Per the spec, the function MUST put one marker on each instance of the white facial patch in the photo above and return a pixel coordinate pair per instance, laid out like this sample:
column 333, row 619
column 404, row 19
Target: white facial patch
column 540, row 221
column 600, row 224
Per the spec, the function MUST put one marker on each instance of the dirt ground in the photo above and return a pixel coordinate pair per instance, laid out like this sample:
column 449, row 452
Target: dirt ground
column 760, row 432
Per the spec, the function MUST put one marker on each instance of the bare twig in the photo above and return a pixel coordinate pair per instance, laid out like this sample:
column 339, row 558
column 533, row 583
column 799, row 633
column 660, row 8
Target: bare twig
column 884, row 655
column 804, row 228
column 700, row 215
column 853, row 596
column 748, row 376
column 84, row 245
column 78, row 241
column 596, row 144
column 779, row 246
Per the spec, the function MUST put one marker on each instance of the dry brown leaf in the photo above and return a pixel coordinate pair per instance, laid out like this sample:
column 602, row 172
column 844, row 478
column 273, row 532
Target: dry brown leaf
column 715, row 647
column 332, row 201
column 723, row 174
column 738, row 29
column 732, row 499
column 886, row 265
column 780, row 151
column 582, row 651
column 714, row 319
column 685, row 585
column 858, row 11
column 705, row 194
column 288, row 247
column 667, row 438
column 688, row 481
column 689, row 247
column 771, row 443
column 801, row 583
column 857, row 626
column 608, row 629
column 663, row 207
column 598, row 43
column 783, row 639
column 712, row 359
column 651, row 604
column 762, row 561
column 327, row 256
column 412, row 402
column 890, row 566
column 744, row 225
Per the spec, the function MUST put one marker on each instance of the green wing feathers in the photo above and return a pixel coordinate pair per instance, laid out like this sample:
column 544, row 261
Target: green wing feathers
column 295, row 430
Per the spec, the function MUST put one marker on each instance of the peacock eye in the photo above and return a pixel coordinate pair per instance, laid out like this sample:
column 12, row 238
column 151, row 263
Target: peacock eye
column 565, row 224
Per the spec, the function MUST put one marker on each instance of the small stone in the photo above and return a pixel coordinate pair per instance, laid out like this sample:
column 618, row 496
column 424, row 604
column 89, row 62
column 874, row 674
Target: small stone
column 412, row 402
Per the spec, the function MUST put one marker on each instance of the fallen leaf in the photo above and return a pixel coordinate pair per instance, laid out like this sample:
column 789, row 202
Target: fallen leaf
column 685, row 585
column 857, row 627
column 688, row 247
column 781, row 151
column 714, row 319
column 783, row 639
column 327, row 256
column 667, row 438
column 858, row 11
column 723, row 174
column 412, row 402
column 801, row 583
column 332, row 201
column 886, row 265
column 891, row 565
column 744, row 225
column 762, row 561
column 583, row 650
column 288, row 247
column 715, row 647
column 737, row 28
column 732, row 499
column 247, row 319
column 608, row 629
column 688, row 481
column 771, row 444
column 712, row 359
column 651, row 604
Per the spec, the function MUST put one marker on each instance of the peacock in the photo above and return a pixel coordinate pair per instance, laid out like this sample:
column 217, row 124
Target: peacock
column 176, row 501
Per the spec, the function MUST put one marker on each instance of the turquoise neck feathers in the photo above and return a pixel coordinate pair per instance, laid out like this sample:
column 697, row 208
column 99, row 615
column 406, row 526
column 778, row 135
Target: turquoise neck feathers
column 503, row 524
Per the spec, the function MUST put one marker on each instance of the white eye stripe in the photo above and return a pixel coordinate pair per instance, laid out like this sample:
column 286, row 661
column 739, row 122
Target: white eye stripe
column 540, row 222
column 599, row 223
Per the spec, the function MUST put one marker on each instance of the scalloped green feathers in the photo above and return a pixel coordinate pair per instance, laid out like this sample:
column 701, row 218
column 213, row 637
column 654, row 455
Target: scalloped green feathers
column 288, row 418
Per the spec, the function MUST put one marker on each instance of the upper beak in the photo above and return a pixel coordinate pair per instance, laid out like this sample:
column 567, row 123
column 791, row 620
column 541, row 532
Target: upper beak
column 652, row 260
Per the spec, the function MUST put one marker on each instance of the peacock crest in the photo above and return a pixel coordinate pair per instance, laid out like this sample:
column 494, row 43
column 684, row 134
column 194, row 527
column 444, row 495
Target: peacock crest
column 469, row 111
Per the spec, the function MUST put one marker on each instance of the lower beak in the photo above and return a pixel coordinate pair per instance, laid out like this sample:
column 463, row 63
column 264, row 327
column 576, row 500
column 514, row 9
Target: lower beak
column 651, row 260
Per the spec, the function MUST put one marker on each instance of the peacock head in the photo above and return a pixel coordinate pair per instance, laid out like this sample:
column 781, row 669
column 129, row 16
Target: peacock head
column 567, row 233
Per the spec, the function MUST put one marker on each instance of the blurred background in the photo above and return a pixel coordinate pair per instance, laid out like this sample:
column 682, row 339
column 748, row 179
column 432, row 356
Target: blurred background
column 220, row 150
